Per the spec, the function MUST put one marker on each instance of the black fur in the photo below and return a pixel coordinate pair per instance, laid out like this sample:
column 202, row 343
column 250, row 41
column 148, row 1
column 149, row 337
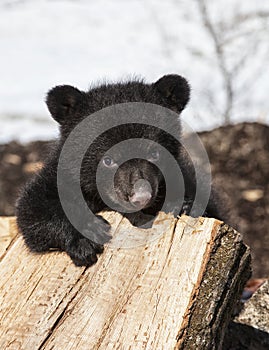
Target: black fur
column 40, row 216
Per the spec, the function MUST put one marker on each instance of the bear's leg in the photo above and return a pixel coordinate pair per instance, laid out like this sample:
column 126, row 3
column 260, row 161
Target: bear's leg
column 44, row 225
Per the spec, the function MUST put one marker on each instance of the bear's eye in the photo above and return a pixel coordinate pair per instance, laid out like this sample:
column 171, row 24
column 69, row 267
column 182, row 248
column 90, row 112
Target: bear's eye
column 108, row 161
column 154, row 155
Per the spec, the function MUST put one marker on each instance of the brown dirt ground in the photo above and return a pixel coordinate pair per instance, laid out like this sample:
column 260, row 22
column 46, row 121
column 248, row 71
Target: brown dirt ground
column 239, row 156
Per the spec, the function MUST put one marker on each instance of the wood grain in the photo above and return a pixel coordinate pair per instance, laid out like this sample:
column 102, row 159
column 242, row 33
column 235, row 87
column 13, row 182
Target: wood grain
column 8, row 231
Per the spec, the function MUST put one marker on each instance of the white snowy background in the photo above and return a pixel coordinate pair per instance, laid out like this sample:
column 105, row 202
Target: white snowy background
column 221, row 46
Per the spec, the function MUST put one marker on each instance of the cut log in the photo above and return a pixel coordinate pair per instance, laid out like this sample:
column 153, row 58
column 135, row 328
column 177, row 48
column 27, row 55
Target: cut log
column 172, row 286
column 250, row 330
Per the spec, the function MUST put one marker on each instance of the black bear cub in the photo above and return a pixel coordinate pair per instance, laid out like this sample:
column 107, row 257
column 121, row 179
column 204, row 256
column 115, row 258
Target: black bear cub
column 138, row 183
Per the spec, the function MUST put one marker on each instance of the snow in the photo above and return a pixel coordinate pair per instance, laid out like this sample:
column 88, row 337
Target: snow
column 44, row 43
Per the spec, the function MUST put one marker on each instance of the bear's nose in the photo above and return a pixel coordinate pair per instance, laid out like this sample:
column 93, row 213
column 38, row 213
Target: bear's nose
column 140, row 198
column 142, row 193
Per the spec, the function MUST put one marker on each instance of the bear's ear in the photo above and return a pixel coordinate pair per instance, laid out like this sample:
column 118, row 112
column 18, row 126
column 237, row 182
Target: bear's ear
column 175, row 90
column 62, row 101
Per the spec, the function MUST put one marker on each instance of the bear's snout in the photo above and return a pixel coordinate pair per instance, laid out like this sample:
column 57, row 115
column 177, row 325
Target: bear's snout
column 142, row 194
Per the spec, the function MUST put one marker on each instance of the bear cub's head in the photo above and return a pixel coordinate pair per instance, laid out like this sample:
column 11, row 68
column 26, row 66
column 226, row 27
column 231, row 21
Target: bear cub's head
column 137, row 182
